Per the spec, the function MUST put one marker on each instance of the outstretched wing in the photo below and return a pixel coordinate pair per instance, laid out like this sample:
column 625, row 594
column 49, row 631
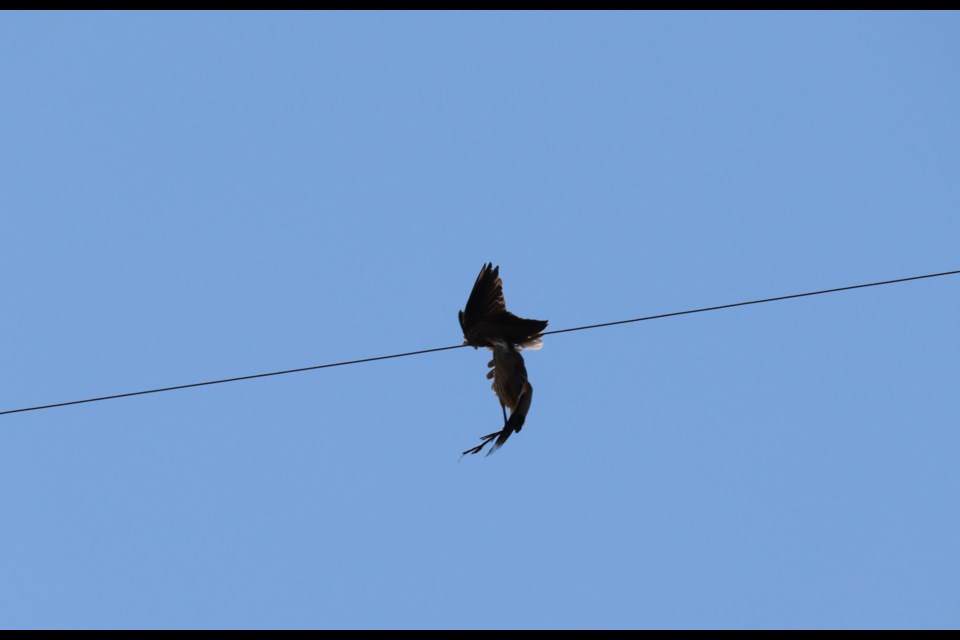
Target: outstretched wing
column 485, row 300
column 486, row 317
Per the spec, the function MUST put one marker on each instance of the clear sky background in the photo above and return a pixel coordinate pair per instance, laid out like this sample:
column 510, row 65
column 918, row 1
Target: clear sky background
column 188, row 196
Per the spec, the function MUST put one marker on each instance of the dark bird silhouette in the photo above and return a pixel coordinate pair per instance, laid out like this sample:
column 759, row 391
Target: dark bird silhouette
column 486, row 317
column 487, row 323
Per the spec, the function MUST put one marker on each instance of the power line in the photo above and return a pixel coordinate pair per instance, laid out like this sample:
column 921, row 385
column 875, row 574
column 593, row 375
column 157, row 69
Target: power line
column 225, row 380
column 743, row 304
column 460, row 346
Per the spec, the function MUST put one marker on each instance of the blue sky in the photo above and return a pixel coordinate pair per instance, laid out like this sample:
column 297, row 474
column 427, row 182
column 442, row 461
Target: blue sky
column 187, row 196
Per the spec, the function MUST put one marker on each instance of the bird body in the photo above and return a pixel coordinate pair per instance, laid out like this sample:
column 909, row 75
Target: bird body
column 487, row 323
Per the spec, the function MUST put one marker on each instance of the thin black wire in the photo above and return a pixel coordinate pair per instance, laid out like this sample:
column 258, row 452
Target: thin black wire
column 460, row 346
column 224, row 380
column 743, row 304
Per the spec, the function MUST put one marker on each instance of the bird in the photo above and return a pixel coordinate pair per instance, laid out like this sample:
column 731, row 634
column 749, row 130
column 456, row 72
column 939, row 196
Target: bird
column 486, row 322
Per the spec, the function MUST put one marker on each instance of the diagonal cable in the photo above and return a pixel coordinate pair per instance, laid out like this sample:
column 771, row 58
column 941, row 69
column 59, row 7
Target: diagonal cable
column 459, row 346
